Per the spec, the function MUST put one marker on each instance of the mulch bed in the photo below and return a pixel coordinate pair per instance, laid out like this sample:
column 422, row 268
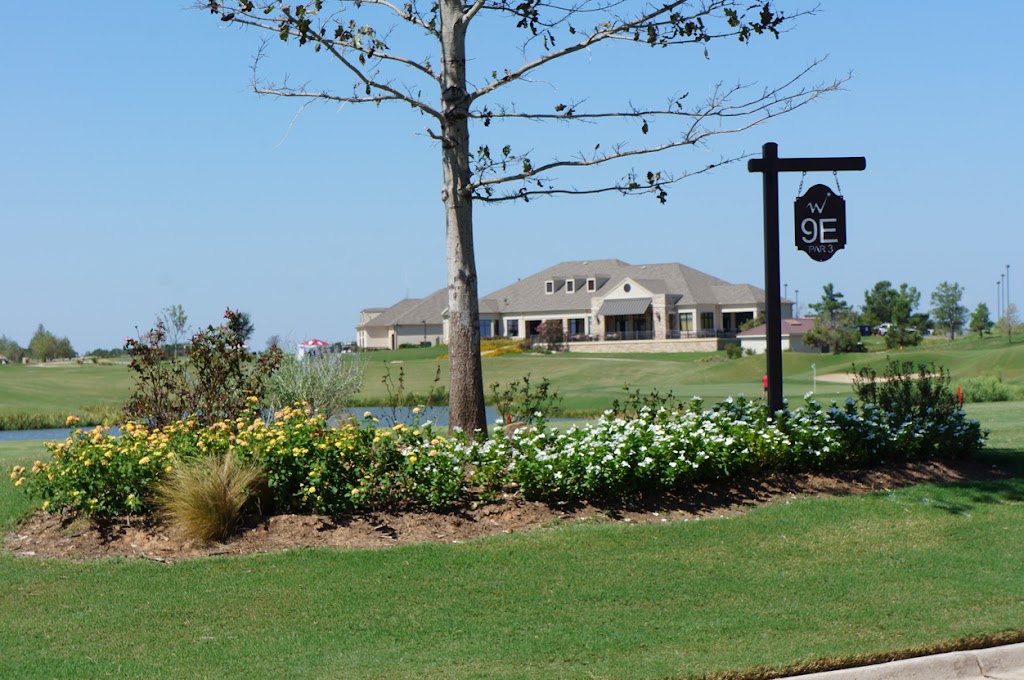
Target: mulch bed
column 46, row 535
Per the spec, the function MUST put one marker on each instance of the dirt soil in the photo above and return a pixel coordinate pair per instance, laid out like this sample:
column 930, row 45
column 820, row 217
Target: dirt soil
column 47, row 535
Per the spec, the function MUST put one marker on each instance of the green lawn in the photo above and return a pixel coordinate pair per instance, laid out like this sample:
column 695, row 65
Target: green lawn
column 589, row 382
column 779, row 585
column 64, row 388
column 586, row 382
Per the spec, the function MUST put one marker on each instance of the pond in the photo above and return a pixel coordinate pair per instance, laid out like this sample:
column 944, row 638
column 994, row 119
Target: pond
column 438, row 415
column 42, row 435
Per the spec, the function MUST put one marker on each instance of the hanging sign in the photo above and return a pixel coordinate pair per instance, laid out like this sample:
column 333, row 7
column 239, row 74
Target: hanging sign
column 820, row 217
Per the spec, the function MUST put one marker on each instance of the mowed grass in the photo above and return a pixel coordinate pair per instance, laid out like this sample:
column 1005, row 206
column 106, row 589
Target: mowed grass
column 779, row 585
column 62, row 388
column 589, row 382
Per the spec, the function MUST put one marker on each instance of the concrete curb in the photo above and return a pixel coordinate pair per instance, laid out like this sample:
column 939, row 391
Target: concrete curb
column 995, row 663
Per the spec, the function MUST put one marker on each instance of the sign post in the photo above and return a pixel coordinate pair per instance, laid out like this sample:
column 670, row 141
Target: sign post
column 824, row 238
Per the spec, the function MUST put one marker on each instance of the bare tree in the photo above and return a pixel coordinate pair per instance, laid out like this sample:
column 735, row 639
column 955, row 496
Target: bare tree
column 175, row 320
column 415, row 53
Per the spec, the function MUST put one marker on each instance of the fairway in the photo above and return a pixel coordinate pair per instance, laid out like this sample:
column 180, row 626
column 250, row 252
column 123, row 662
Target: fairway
column 62, row 387
column 589, row 383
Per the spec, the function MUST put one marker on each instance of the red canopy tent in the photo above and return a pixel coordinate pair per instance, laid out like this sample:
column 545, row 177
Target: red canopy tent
column 312, row 343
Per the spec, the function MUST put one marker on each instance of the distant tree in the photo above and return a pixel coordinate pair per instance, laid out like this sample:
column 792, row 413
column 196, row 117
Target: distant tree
column 273, row 341
column 922, row 321
column 833, row 324
column 430, row 57
column 175, row 321
column 878, row 304
column 551, row 334
column 45, row 346
column 831, row 303
column 903, row 332
column 980, row 321
column 241, row 325
column 949, row 313
column 101, row 353
column 11, row 350
column 1008, row 321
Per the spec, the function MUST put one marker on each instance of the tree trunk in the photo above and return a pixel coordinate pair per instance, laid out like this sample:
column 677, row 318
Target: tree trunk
column 466, row 391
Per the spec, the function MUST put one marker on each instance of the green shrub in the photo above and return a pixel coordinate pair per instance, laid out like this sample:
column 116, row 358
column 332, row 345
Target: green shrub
column 203, row 498
column 987, row 388
column 213, row 385
column 326, row 381
column 733, row 351
column 906, row 392
column 648, row 445
column 522, row 403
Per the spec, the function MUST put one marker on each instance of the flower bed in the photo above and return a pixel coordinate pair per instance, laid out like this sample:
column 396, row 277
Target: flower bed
column 361, row 467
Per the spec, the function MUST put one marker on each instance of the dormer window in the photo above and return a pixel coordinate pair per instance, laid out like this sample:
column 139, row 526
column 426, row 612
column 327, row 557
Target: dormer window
column 591, row 285
column 549, row 287
column 570, row 286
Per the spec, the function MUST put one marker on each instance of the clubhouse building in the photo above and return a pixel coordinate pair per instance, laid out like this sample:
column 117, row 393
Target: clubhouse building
column 600, row 305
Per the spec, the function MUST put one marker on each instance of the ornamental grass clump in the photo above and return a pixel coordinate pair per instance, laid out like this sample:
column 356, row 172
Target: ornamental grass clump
column 203, row 497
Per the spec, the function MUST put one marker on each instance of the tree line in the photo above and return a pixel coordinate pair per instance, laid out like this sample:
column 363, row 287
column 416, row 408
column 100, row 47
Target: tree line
column 44, row 346
column 894, row 313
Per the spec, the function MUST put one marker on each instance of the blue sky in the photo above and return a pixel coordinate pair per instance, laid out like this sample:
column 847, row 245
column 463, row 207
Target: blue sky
column 139, row 171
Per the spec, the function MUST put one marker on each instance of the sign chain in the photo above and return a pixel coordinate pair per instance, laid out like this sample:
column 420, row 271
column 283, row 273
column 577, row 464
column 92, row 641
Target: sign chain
column 800, row 189
column 839, row 189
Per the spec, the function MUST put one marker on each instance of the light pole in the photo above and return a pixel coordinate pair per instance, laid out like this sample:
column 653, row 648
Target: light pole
column 999, row 298
column 796, row 305
column 1006, row 290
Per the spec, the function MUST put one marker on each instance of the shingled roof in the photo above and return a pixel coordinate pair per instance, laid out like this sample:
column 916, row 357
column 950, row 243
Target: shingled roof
column 677, row 281
column 412, row 311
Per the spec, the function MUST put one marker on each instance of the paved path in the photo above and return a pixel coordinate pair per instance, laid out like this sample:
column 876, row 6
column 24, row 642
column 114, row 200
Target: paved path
column 995, row 663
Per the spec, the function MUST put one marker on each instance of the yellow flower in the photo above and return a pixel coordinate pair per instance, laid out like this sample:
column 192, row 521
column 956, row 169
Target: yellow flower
column 143, row 460
column 412, row 460
column 367, row 414
column 20, row 482
column 71, row 421
column 171, row 454
column 46, row 505
column 355, row 492
column 416, row 410
column 312, row 489
column 168, row 468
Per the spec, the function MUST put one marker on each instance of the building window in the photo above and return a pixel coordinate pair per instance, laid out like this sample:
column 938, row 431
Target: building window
column 485, row 328
column 591, row 285
column 626, row 288
column 686, row 322
column 512, row 328
column 570, row 286
column 549, row 287
column 707, row 321
column 576, row 327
